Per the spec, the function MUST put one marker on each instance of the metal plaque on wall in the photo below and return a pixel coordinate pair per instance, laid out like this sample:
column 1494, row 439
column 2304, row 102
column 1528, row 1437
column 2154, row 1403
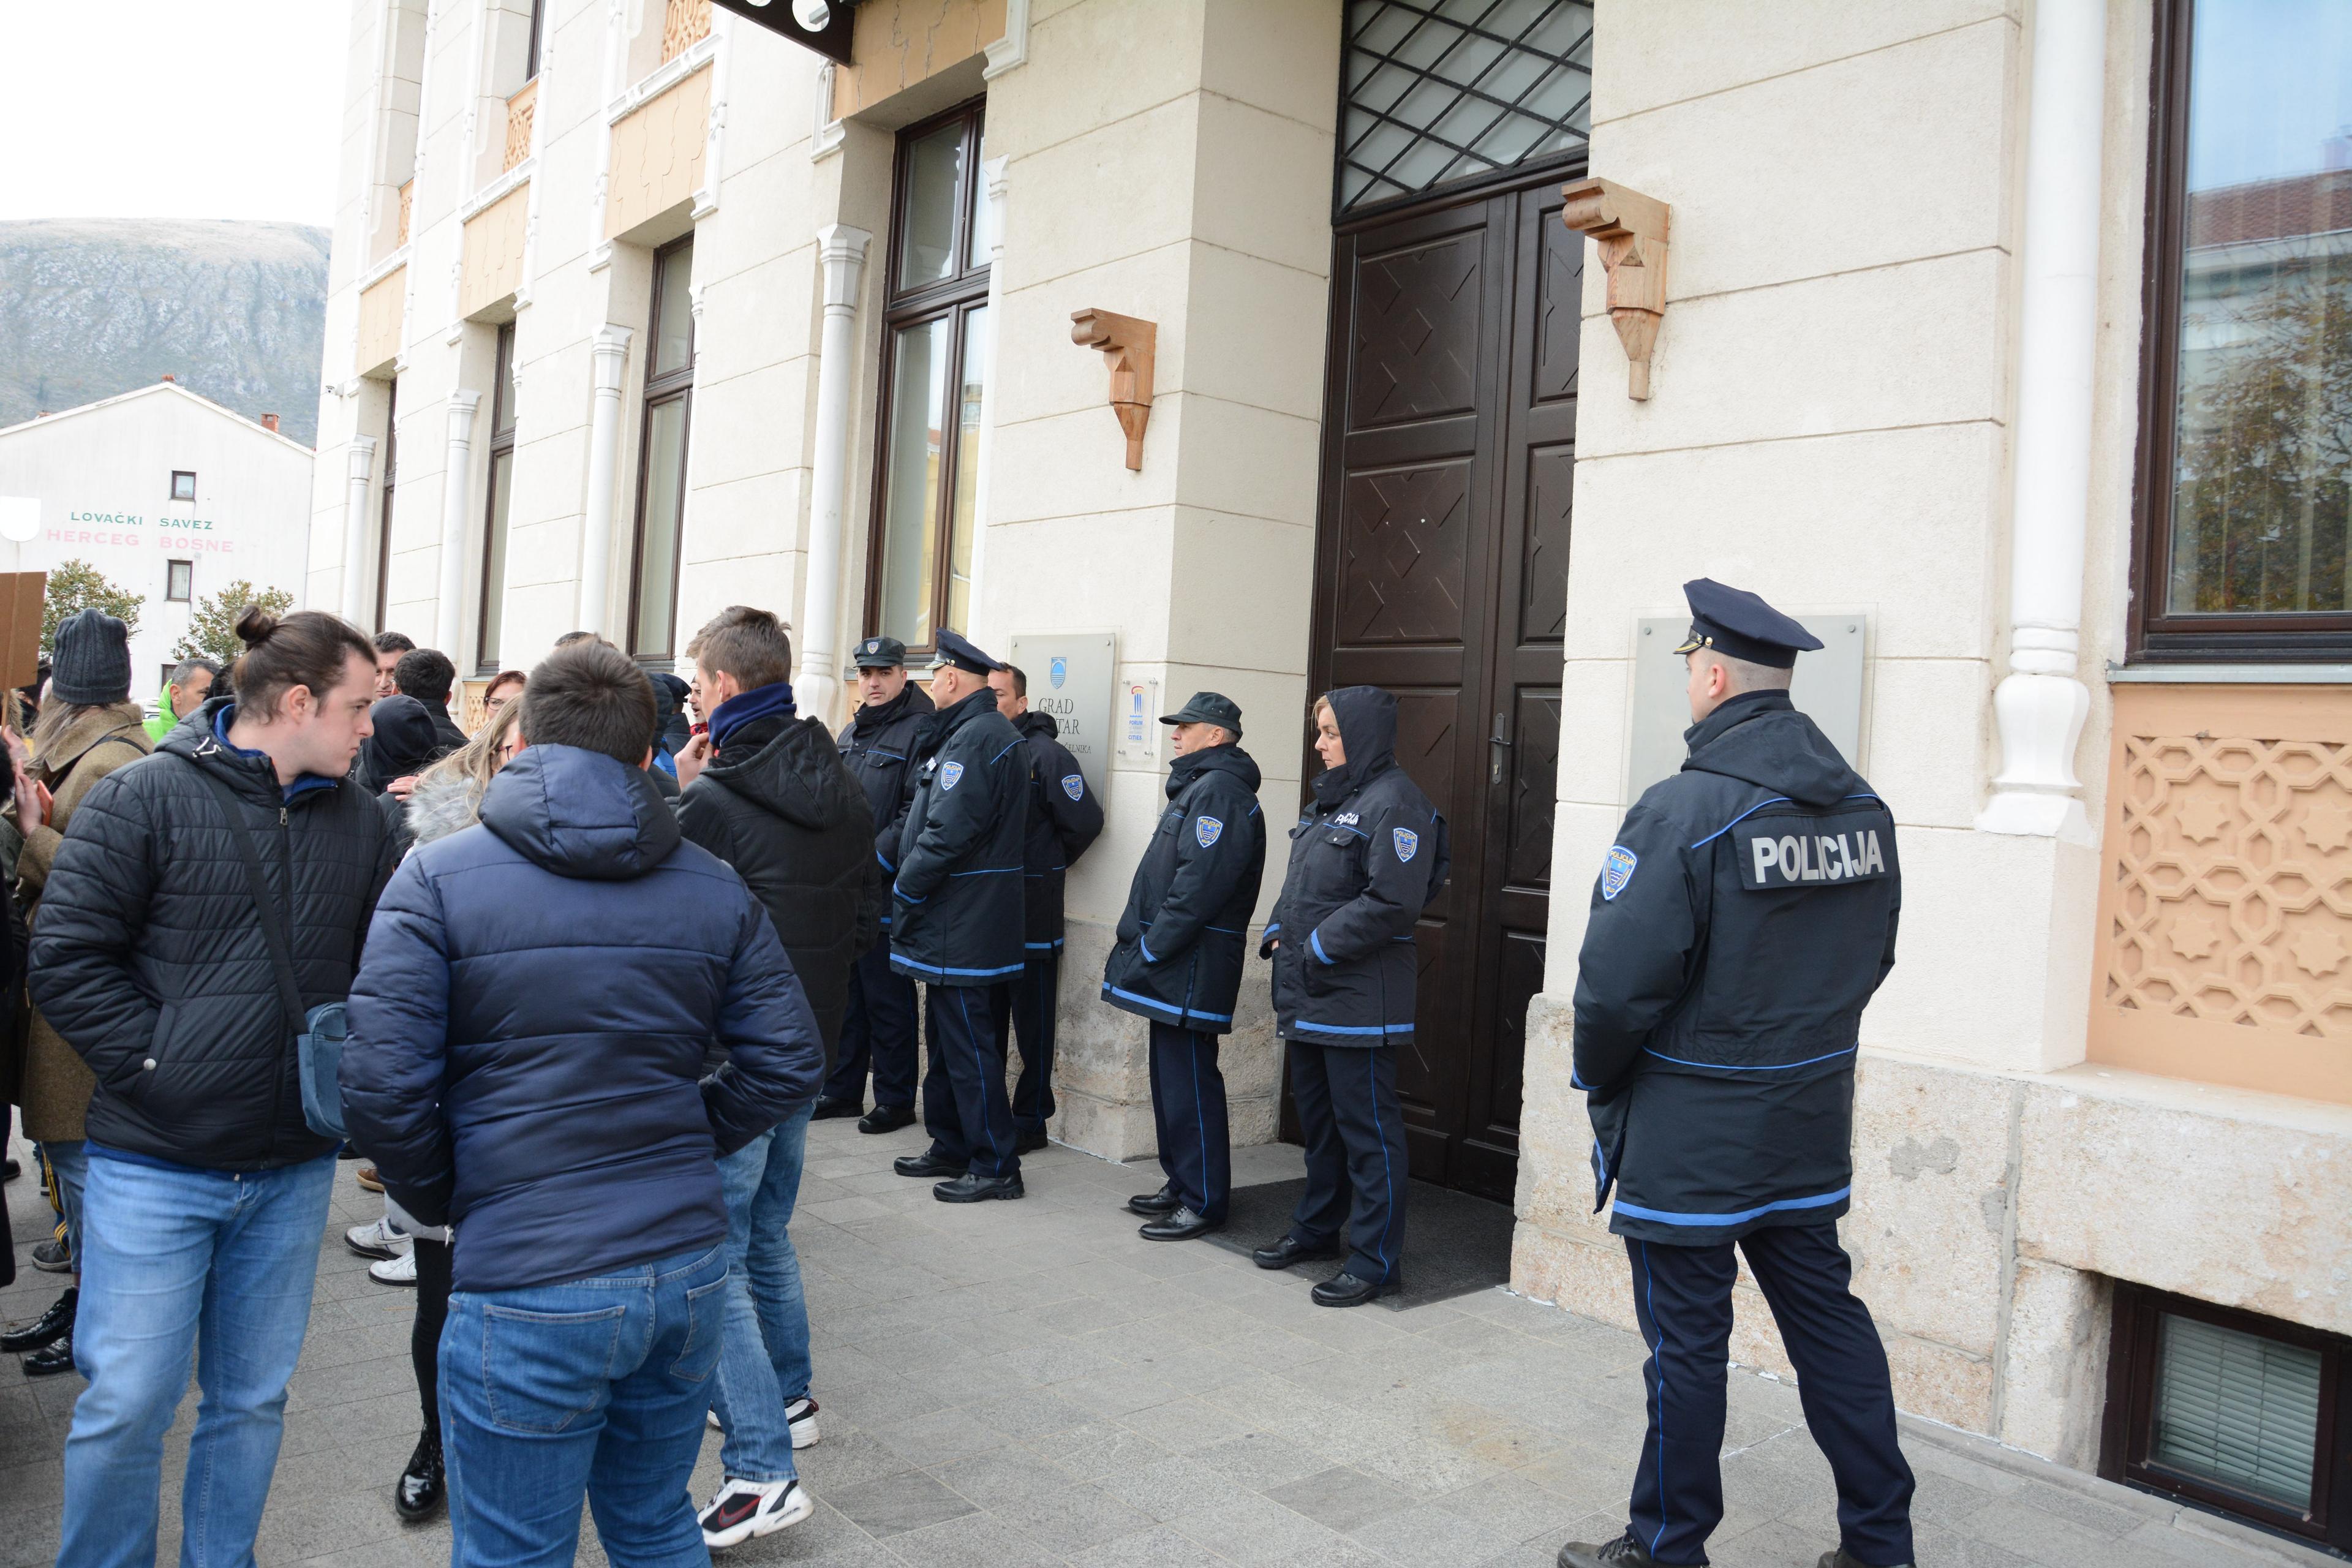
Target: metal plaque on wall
column 1827, row 688
column 1070, row 678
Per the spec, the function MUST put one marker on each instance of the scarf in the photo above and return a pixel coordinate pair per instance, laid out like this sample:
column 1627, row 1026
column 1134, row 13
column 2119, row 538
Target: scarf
column 761, row 702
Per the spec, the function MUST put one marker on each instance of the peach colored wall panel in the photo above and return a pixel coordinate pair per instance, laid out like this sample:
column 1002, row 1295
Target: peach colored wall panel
column 494, row 251
column 380, row 314
column 898, row 43
column 657, row 154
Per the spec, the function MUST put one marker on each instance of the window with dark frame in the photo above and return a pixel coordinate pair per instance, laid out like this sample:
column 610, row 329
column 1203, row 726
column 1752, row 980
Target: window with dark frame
column 934, row 371
column 2240, row 1414
column 179, row 581
column 384, row 521
column 530, row 57
column 490, row 624
column 2243, row 516
column 661, row 455
column 184, row 484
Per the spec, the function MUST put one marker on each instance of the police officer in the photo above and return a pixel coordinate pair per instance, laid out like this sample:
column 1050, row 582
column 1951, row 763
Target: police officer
column 1179, row 958
column 1064, row 818
column 1365, row 860
column 956, row 922
column 878, row 1029
column 1742, row 920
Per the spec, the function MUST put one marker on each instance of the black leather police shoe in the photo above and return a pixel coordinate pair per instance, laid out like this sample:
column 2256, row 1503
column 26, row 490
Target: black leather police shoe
column 47, row 1328
column 1178, row 1223
column 419, row 1493
column 1153, row 1203
column 10, row 1170
column 1842, row 1558
column 969, row 1188
column 1345, row 1289
column 55, row 1358
column 886, row 1119
column 1029, row 1143
column 827, row 1109
column 927, row 1163
column 1623, row 1552
column 1282, row 1254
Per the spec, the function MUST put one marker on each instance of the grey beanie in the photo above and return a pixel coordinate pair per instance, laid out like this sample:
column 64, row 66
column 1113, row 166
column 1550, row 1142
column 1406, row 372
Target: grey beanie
column 92, row 664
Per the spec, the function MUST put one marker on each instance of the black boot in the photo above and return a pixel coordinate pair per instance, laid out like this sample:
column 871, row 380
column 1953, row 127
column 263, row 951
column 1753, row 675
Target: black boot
column 47, row 1328
column 57, row 1357
column 419, row 1493
column 1623, row 1552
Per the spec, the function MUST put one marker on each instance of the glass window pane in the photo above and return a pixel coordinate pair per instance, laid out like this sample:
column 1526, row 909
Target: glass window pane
column 674, row 311
column 503, row 419
column 494, row 564
column 910, row 496
column 2236, row 1410
column 2262, row 454
column 983, row 224
column 926, row 220
column 657, row 539
column 967, row 469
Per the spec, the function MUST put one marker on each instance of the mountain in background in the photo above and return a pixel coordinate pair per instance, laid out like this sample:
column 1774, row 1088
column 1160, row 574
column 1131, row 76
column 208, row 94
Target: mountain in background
column 93, row 306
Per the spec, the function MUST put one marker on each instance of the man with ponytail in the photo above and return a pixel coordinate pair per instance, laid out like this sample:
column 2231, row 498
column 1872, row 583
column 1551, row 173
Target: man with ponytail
column 207, row 1191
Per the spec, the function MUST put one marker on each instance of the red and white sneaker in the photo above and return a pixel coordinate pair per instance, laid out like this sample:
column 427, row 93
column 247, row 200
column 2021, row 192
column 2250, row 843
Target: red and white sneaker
column 801, row 1414
column 745, row 1508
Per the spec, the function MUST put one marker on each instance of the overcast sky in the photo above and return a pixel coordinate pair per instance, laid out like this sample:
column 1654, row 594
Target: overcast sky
column 179, row 109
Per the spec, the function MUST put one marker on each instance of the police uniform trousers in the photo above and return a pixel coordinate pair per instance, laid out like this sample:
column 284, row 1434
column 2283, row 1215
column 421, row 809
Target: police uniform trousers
column 1024, row 1010
column 1188, row 1103
column 878, row 1031
column 1682, row 1296
column 1347, row 1103
column 965, row 1108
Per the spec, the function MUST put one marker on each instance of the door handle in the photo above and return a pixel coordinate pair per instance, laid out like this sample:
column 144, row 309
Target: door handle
column 1499, row 742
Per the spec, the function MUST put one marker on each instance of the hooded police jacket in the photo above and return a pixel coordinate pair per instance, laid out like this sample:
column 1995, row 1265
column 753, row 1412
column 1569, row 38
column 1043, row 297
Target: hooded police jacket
column 1366, row 858
column 1064, row 818
column 956, row 899
column 878, row 745
column 1740, row 922
column 1179, row 958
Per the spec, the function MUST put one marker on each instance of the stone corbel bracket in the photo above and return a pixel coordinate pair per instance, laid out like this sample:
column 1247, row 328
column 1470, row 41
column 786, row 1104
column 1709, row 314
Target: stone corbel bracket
column 1128, row 345
column 1630, row 229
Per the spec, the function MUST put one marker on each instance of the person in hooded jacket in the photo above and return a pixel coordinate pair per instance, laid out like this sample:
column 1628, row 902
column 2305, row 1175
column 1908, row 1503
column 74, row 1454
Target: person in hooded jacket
column 428, row 675
column 766, row 791
column 1065, row 817
column 956, row 922
column 676, row 729
column 1742, row 920
column 404, row 744
column 878, row 1029
column 1365, row 860
column 1181, row 941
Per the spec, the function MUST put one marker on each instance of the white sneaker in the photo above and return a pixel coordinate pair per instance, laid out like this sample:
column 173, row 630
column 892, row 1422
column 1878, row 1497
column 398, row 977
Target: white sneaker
column 377, row 1239
column 745, row 1508
column 801, row 1414
column 716, row 1424
column 399, row 1270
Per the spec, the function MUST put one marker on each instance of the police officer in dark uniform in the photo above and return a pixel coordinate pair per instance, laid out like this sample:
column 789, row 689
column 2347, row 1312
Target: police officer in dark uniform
column 1742, row 920
column 1179, row 958
column 878, row 1029
column 1064, row 818
column 1365, row 860
column 955, row 919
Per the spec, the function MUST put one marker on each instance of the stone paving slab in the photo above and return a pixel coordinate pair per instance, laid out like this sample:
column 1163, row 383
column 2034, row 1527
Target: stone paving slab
column 1029, row 1384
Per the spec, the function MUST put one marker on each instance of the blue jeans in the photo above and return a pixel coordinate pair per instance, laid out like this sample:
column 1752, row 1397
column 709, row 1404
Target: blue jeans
column 595, row 1386
column 69, row 1163
column 178, row 1266
column 765, row 1364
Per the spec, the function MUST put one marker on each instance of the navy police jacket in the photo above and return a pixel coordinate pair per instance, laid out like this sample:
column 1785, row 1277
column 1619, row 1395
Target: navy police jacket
column 1741, row 920
column 1181, row 937
column 956, row 903
column 1064, row 818
column 1365, row 860
column 877, row 746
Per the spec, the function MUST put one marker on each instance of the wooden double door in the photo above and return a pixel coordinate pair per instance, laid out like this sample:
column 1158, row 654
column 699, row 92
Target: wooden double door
column 1442, row 575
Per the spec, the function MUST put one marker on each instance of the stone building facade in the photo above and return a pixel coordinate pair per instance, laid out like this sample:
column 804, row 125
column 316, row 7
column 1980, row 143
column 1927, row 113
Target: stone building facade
column 1256, row 333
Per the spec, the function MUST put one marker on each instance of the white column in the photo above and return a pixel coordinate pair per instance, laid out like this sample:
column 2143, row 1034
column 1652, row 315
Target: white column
column 457, row 501
column 982, row 629
column 2041, row 705
column 843, row 251
column 610, row 357
column 360, row 459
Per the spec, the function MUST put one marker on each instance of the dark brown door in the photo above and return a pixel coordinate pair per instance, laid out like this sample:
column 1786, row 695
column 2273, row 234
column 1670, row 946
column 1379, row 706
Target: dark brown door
column 1442, row 575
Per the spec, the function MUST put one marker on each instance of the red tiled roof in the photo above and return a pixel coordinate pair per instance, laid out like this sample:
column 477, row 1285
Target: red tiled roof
column 2271, row 209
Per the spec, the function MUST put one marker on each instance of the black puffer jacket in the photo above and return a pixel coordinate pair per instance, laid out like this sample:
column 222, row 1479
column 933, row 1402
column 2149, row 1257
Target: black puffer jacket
column 1364, row 863
column 778, row 805
column 878, row 744
column 1064, row 818
column 1180, row 941
column 956, row 904
column 150, row 958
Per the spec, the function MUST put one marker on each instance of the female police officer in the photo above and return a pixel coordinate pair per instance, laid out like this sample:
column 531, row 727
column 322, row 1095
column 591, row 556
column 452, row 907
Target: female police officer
column 1364, row 862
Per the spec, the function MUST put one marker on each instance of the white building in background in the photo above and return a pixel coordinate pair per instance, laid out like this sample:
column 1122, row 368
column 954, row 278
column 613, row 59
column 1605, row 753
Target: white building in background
column 167, row 493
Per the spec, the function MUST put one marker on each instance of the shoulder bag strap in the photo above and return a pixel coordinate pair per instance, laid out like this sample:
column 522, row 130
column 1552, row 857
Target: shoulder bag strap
column 281, row 956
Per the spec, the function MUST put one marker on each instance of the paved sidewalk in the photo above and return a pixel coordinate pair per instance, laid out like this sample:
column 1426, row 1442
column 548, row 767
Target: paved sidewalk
column 1017, row 1384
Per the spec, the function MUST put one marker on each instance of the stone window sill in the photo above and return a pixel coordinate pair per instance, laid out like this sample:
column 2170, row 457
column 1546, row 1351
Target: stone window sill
column 2231, row 674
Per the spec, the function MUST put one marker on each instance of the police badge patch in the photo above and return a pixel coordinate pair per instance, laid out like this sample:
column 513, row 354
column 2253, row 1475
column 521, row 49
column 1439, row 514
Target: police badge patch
column 1407, row 842
column 1073, row 786
column 1617, row 870
column 950, row 774
column 1206, row 830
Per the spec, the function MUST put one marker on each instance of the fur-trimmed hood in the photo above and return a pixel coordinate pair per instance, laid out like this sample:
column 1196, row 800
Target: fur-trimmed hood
column 443, row 802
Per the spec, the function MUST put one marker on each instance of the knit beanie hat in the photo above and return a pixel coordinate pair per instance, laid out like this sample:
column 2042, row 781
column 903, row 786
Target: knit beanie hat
column 93, row 665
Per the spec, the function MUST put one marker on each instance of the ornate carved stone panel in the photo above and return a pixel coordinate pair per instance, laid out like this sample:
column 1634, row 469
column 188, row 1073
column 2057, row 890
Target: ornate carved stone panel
column 685, row 23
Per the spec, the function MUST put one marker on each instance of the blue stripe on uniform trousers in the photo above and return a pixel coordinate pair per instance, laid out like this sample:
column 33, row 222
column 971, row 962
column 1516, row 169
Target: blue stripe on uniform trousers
column 878, row 1031
column 1356, row 1164
column 964, row 1105
column 1682, row 1298
column 1025, row 1009
column 1188, row 1102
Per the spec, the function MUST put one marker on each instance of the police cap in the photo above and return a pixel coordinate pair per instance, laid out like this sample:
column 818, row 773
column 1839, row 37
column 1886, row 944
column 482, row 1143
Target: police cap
column 1738, row 624
column 958, row 651
column 879, row 653
column 1210, row 707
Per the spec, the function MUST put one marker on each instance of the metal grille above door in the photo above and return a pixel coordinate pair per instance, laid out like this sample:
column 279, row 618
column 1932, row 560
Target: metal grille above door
column 1444, row 91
